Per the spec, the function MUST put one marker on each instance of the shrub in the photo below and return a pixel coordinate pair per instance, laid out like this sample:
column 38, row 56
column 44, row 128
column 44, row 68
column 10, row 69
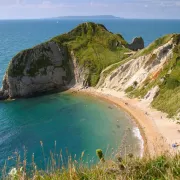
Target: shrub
column 100, row 155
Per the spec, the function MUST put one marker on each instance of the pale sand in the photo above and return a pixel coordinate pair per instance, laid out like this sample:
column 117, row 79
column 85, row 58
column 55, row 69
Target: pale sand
column 157, row 130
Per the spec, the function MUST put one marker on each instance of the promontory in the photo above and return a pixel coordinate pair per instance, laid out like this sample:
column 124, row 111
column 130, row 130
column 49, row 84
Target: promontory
column 90, row 55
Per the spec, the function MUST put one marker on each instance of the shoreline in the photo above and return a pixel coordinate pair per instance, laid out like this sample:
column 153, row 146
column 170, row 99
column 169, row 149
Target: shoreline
column 155, row 141
column 137, row 134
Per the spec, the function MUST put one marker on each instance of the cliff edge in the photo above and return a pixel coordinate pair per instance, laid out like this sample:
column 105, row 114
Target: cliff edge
column 151, row 74
column 76, row 57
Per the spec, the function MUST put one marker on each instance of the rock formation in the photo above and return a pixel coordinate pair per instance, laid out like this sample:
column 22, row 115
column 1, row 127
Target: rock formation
column 138, row 69
column 39, row 69
column 152, row 74
column 90, row 55
column 73, row 58
column 137, row 44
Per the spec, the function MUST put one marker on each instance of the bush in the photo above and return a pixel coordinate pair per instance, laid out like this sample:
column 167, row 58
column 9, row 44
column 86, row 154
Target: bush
column 172, row 83
column 100, row 155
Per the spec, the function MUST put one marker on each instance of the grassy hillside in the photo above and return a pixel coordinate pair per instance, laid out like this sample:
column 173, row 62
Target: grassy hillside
column 164, row 167
column 154, row 45
column 168, row 99
column 95, row 48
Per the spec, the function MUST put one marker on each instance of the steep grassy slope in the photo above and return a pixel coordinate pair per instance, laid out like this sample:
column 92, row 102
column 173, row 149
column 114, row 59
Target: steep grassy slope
column 168, row 80
column 154, row 45
column 164, row 167
column 94, row 47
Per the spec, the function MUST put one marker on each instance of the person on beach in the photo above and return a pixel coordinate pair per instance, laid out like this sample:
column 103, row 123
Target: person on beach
column 175, row 145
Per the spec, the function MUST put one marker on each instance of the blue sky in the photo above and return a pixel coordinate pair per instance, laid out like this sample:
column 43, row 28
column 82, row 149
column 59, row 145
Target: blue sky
column 142, row 9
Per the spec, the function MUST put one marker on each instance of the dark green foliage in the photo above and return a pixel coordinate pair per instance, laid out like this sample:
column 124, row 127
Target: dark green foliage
column 42, row 62
column 100, row 155
column 172, row 83
column 19, row 62
column 135, row 83
column 16, row 68
column 94, row 47
column 66, row 64
column 61, row 39
column 129, row 89
column 168, row 98
column 158, row 42
column 176, row 39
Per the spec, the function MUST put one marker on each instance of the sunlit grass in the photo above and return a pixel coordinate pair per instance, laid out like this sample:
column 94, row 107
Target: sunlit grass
column 129, row 167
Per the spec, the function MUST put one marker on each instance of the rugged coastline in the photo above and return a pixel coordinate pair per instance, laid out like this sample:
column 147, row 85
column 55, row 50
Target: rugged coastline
column 101, row 63
column 76, row 57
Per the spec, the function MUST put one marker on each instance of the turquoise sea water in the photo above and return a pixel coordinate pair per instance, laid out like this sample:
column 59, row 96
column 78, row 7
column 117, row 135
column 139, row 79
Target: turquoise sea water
column 74, row 121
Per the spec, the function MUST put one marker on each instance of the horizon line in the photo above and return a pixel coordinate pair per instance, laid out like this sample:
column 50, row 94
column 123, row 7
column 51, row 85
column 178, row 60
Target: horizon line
column 62, row 18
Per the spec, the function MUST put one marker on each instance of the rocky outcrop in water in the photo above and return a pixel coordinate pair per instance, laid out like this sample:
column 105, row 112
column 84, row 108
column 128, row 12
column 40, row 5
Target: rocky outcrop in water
column 74, row 58
column 137, row 44
column 40, row 69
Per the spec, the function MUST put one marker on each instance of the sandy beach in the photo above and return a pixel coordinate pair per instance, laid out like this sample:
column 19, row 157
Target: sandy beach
column 158, row 131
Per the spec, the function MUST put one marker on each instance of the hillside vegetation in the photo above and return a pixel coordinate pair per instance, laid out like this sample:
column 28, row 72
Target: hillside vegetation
column 164, row 167
column 94, row 47
column 168, row 79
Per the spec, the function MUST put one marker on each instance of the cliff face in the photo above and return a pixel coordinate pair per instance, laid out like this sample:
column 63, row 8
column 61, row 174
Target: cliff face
column 42, row 68
column 74, row 58
column 90, row 55
column 136, row 70
column 152, row 74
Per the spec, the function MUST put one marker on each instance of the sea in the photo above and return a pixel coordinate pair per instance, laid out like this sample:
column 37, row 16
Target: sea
column 73, row 124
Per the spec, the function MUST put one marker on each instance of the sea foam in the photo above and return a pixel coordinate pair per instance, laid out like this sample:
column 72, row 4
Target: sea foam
column 137, row 134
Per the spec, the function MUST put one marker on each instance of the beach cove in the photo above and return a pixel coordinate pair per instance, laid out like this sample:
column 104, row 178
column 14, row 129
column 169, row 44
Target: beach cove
column 76, row 122
column 157, row 131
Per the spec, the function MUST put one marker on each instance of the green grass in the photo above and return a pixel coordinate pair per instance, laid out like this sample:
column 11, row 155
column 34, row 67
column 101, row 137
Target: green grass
column 42, row 62
column 163, row 167
column 17, row 69
column 112, row 67
column 168, row 101
column 157, row 43
column 94, row 47
column 168, row 98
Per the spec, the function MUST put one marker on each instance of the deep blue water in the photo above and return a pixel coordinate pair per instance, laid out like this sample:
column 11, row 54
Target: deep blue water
column 76, row 122
column 21, row 34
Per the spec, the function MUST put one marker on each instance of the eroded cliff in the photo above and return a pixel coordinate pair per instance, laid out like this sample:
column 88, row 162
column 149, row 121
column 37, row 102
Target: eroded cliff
column 73, row 58
column 152, row 74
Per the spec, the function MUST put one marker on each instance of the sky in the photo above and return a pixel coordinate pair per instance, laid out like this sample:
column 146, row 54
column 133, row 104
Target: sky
column 138, row 9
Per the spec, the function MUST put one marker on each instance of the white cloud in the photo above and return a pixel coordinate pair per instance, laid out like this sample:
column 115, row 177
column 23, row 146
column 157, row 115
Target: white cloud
column 122, row 8
column 41, row 5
